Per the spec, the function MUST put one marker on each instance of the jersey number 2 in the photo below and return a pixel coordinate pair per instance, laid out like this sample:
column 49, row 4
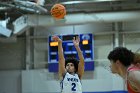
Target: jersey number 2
column 73, row 87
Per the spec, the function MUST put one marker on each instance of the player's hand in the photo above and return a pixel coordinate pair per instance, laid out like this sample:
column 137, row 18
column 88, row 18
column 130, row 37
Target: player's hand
column 76, row 41
column 56, row 39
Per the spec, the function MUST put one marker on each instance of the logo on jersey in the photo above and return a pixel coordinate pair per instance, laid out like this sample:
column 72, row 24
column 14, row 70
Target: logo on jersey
column 72, row 79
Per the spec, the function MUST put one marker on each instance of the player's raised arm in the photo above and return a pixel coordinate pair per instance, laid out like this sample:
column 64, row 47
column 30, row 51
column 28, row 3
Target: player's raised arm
column 76, row 41
column 61, row 58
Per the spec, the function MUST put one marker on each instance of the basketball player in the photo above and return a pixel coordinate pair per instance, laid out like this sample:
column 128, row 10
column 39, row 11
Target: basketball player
column 70, row 70
column 122, row 63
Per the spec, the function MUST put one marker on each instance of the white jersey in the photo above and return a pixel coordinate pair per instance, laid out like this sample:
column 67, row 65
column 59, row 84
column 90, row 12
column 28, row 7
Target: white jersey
column 71, row 84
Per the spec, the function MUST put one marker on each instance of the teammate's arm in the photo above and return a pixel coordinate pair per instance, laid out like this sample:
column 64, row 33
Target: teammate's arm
column 76, row 41
column 61, row 58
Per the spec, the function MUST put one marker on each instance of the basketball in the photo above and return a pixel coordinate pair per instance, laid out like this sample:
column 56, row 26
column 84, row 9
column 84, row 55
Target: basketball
column 58, row 11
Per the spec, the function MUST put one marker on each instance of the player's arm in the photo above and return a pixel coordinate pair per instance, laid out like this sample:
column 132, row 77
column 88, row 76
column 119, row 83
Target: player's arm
column 134, row 76
column 80, row 55
column 61, row 58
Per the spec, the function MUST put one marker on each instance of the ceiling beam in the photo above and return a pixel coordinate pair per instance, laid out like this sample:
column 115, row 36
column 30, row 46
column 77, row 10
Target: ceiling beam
column 88, row 1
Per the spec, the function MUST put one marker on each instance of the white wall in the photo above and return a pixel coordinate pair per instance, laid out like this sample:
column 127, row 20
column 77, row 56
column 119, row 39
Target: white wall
column 41, row 81
column 12, row 55
column 10, row 82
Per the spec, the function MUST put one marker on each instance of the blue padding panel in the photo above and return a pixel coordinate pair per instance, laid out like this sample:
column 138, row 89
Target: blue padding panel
column 108, row 92
column 89, row 66
column 53, row 67
column 99, row 92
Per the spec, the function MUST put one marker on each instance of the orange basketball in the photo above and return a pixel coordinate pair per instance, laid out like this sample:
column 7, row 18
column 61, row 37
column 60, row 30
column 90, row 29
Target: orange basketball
column 58, row 11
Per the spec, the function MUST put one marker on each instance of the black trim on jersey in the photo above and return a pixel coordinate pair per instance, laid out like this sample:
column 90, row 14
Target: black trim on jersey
column 61, row 82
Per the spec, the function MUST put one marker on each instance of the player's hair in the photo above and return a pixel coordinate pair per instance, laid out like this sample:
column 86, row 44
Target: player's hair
column 136, row 58
column 74, row 61
column 125, row 56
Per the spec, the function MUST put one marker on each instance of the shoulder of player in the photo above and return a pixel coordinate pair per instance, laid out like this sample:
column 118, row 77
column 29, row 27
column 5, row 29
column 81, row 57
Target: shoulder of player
column 134, row 75
column 61, row 77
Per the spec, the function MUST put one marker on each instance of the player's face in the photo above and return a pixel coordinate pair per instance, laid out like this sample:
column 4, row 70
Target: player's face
column 70, row 67
column 113, row 67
